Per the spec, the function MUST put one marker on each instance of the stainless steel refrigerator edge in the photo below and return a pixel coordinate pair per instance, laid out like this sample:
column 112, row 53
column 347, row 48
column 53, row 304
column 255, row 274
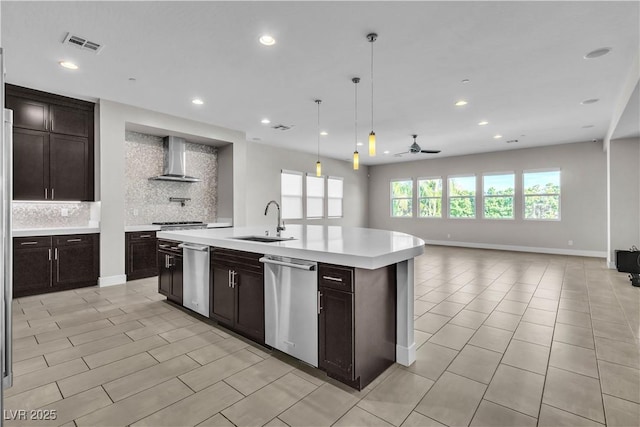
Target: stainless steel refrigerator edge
column 6, row 248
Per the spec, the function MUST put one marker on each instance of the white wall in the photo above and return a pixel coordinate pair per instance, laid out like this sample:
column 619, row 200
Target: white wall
column 112, row 119
column 263, row 166
column 583, row 201
column 624, row 197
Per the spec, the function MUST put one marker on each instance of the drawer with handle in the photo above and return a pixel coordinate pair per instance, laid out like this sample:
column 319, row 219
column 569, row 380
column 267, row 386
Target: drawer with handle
column 73, row 239
column 142, row 235
column 170, row 246
column 336, row 277
column 31, row 242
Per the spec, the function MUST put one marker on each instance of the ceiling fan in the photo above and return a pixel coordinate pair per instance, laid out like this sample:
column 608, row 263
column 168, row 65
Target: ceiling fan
column 415, row 148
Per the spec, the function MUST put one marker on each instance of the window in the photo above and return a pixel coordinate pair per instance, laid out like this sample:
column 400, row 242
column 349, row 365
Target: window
column 315, row 196
column 291, row 194
column 498, row 190
column 542, row 195
column 462, row 197
column 402, row 198
column 430, row 198
column 334, row 197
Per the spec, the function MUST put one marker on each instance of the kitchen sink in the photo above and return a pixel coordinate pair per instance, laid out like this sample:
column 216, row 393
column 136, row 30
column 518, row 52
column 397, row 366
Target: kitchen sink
column 263, row 239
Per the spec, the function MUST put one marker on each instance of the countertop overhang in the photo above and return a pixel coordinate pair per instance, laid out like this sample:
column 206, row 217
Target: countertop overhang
column 53, row 231
column 350, row 246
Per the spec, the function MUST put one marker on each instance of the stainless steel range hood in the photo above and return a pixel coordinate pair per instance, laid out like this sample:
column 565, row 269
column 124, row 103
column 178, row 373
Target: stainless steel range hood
column 175, row 161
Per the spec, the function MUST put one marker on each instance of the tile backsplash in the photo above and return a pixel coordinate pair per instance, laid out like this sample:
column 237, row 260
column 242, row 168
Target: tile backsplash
column 49, row 215
column 147, row 201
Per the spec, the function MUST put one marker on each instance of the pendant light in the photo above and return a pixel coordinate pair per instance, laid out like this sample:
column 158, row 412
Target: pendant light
column 356, row 155
column 318, row 164
column 372, row 136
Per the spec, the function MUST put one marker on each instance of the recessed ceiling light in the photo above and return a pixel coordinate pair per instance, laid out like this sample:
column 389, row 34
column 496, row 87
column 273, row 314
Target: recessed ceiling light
column 265, row 121
column 590, row 101
column 483, row 123
column 68, row 64
column 465, row 81
column 197, row 101
column 497, row 136
column 461, row 103
column 324, row 133
column 597, row 53
column 359, row 144
column 132, row 79
column 387, row 152
column 511, row 141
column 267, row 40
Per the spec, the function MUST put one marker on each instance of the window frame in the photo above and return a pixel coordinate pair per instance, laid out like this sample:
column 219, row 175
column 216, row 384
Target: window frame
column 301, row 197
column 322, row 198
column 418, row 198
column 513, row 196
column 411, row 198
column 475, row 196
column 524, row 195
column 335, row 178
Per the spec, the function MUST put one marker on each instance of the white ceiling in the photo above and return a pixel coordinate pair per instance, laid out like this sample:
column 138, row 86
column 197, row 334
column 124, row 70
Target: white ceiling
column 524, row 59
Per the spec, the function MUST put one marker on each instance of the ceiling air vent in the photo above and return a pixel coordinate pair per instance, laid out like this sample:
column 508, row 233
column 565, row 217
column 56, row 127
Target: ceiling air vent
column 82, row 43
column 282, row 127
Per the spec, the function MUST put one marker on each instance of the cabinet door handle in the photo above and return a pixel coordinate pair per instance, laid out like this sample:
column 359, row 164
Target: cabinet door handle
column 233, row 279
column 333, row 279
column 319, row 302
column 28, row 243
column 145, row 236
column 175, row 248
column 74, row 240
column 53, row 192
column 46, row 193
column 56, row 253
column 49, row 254
column 163, row 246
column 229, row 278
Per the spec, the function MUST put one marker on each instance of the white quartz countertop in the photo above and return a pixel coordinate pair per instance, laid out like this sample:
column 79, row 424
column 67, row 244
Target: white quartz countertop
column 350, row 246
column 54, row 231
column 151, row 227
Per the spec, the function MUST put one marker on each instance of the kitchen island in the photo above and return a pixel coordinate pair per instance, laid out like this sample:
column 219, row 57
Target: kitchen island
column 363, row 251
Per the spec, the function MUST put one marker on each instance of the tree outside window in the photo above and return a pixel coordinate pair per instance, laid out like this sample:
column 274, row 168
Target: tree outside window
column 542, row 195
column 430, row 198
column 462, row 197
column 498, row 196
column 402, row 198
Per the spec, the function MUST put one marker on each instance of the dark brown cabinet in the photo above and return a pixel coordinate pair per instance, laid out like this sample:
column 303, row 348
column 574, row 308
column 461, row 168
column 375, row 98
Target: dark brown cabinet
column 356, row 323
column 237, row 291
column 30, row 164
column 53, row 146
column 170, row 270
column 44, row 264
column 141, row 256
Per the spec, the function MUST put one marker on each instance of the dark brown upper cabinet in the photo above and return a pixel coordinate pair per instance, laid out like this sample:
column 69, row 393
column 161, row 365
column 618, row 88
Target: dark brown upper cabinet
column 53, row 144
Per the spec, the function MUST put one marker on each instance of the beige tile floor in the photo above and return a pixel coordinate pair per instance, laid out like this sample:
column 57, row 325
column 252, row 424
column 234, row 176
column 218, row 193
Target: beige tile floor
column 504, row 339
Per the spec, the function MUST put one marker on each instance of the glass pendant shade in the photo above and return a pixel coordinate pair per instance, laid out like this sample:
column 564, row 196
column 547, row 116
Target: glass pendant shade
column 318, row 168
column 356, row 161
column 372, row 144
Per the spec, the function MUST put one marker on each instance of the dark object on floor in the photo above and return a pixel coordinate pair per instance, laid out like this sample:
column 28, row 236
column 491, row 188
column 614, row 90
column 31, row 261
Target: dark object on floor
column 629, row 262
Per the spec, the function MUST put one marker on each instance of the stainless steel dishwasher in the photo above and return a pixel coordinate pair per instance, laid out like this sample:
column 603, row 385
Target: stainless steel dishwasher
column 195, row 291
column 290, row 307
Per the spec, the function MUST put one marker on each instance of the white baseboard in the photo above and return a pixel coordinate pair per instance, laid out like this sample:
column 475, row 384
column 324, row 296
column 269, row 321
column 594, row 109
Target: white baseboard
column 555, row 251
column 112, row 280
column 405, row 356
column 611, row 265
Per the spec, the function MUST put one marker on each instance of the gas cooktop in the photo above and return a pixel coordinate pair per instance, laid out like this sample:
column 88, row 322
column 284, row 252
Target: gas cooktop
column 180, row 225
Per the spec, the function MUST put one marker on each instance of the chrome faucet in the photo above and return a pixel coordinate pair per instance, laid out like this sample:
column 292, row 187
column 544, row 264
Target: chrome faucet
column 279, row 228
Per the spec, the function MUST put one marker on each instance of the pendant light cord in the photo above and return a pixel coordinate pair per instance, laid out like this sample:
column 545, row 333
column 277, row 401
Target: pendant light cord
column 372, row 84
column 318, row 102
column 356, row 80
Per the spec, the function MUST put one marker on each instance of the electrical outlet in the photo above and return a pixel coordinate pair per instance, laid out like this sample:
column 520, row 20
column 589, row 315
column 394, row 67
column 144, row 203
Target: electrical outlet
column 135, row 212
column 64, row 212
column 570, row 242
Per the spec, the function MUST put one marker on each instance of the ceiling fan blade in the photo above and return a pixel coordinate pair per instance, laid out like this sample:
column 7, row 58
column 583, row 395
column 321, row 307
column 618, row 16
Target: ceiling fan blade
column 430, row 151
